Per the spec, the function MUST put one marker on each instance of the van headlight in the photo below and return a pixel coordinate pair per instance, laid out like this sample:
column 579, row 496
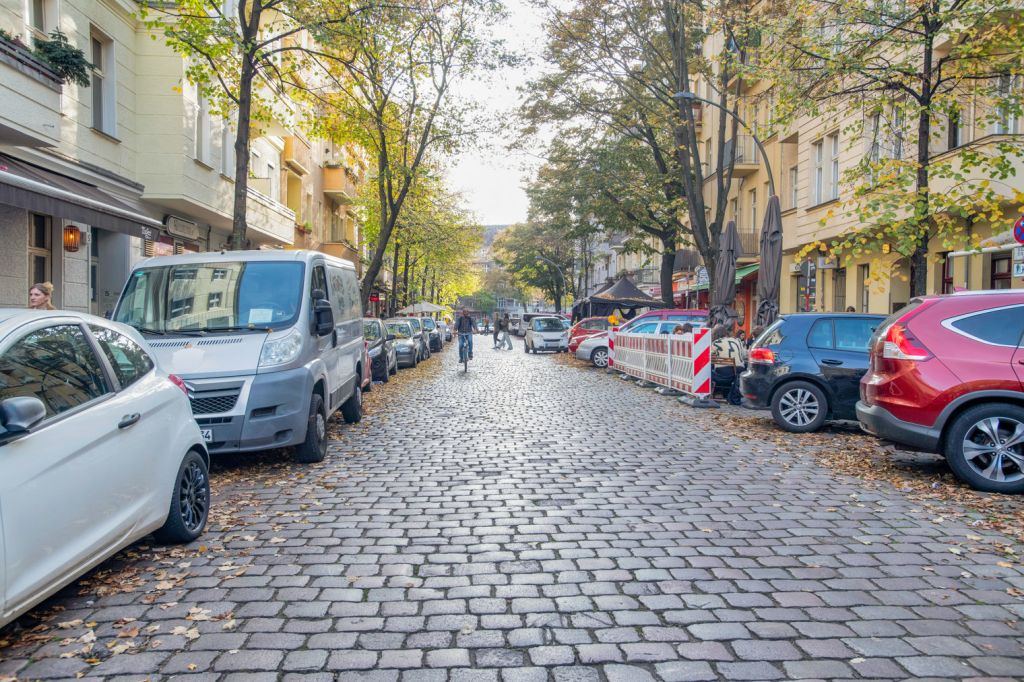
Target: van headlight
column 282, row 350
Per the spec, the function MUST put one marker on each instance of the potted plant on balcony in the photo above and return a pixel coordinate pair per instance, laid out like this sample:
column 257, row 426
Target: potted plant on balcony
column 64, row 59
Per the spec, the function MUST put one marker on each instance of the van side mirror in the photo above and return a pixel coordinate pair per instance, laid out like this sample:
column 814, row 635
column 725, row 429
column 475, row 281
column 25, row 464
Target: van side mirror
column 19, row 414
column 319, row 295
column 323, row 316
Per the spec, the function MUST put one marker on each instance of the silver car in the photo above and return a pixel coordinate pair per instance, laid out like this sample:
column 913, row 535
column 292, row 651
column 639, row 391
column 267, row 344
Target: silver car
column 594, row 349
column 407, row 344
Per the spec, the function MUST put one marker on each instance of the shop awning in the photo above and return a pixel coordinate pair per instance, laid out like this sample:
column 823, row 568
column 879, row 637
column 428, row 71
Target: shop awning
column 740, row 274
column 40, row 190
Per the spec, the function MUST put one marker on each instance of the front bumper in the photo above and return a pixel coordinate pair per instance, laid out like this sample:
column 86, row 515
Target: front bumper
column 878, row 421
column 274, row 415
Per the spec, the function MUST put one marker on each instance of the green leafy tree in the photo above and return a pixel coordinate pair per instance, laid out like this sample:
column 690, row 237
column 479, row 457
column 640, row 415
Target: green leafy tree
column 246, row 57
column 920, row 76
column 537, row 255
column 392, row 95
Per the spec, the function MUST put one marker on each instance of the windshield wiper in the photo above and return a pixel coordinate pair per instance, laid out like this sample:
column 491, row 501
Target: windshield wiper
column 147, row 330
column 236, row 328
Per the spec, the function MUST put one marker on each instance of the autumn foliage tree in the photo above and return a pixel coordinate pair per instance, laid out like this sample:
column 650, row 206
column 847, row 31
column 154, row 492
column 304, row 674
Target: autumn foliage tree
column 931, row 93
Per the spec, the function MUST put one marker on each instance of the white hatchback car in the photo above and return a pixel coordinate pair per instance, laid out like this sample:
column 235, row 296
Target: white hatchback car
column 547, row 333
column 98, row 448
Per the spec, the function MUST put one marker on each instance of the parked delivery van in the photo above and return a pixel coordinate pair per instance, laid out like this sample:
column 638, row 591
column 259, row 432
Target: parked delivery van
column 269, row 343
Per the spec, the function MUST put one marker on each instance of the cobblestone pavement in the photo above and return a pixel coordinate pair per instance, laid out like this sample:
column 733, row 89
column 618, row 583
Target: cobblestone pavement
column 533, row 520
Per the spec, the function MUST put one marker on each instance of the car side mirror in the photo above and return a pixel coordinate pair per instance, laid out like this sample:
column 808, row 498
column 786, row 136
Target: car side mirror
column 324, row 316
column 391, row 337
column 319, row 295
column 19, row 414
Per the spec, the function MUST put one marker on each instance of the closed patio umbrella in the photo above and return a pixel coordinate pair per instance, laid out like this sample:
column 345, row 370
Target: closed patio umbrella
column 770, row 274
column 724, row 294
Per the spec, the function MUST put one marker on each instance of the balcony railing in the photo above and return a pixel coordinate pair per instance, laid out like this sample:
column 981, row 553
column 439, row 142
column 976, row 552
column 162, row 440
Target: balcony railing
column 29, row 98
column 338, row 184
column 742, row 150
column 297, row 155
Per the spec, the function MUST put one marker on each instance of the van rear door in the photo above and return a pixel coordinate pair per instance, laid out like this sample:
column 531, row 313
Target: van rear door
column 327, row 346
column 348, row 321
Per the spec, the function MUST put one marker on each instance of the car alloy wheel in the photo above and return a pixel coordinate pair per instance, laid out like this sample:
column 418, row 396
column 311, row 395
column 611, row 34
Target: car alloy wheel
column 994, row 448
column 193, row 496
column 799, row 407
column 599, row 357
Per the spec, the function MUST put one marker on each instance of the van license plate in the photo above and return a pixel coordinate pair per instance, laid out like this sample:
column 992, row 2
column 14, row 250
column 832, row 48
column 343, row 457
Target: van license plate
column 207, row 434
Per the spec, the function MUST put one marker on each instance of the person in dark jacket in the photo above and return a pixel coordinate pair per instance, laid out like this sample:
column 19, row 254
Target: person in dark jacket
column 465, row 326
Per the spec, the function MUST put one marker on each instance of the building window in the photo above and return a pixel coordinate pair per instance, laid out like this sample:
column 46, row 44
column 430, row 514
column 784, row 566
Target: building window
column 219, row 273
column 863, row 291
column 753, row 210
column 40, row 233
column 839, row 290
column 875, row 149
column 214, row 300
column 1009, row 119
column 275, row 181
column 794, row 178
column 104, row 100
column 806, row 288
column 734, row 209
column 954, row 136
column 707, row 157
column 819, row 171
column 202, row 128
column 833, row 179
column 1001, row 269
column 947, row 274
column 38, row 19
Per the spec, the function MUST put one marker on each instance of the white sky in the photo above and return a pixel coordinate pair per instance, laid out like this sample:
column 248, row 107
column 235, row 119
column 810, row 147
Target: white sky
column 492, row 177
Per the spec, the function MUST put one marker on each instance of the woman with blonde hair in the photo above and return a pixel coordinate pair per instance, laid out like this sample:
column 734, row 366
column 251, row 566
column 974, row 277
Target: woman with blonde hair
column 40, row 295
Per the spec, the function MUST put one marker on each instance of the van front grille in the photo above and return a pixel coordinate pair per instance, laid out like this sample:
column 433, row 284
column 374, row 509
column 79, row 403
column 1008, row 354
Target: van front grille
column 214, row 402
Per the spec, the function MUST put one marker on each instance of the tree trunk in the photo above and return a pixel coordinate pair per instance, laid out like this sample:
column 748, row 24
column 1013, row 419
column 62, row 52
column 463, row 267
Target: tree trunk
column 238, row 239
column 405, row 280
column 919, row 258
column 393, row 303
column 668, row 263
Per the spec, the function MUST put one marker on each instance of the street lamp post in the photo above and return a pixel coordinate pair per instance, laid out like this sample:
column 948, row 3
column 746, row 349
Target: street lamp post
column 560, row 273
column 760, row 147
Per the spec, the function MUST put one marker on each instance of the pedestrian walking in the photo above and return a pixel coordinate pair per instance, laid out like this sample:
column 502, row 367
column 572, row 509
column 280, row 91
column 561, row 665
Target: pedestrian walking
column 506, row 325
column 40, row 296
column 497, row 327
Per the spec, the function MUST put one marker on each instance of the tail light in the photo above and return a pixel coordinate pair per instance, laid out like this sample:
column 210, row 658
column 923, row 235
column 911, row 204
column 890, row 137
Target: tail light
column 762, row 356
column 176, row 380
column 901, row 344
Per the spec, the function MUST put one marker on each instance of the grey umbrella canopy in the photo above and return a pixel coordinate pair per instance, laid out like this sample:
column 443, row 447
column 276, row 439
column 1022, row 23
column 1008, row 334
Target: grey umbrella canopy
column 729, row 249
column 770, row 272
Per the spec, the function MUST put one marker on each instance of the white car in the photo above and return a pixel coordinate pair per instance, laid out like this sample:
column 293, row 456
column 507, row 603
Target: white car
column 547, row 333
column 98, row 448
column 594, row 349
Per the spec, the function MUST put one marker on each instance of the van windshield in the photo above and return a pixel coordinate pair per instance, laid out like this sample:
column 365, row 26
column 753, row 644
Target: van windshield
column 212, row 297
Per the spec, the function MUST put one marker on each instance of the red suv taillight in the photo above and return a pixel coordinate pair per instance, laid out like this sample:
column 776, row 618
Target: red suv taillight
column 763, row 356
column 901, row 344
column 179, row 383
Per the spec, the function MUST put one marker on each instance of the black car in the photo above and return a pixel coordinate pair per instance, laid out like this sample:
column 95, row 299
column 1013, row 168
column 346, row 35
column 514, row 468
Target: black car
column 381, row 349
column 807, row 367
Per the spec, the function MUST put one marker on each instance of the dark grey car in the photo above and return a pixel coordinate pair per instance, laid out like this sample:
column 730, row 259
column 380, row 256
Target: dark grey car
column 380, row 347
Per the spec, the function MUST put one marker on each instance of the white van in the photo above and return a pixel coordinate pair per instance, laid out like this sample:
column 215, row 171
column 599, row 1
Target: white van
column 269, row 343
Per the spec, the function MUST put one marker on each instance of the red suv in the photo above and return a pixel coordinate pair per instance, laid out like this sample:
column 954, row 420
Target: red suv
column 588, row 326
column 947, row 376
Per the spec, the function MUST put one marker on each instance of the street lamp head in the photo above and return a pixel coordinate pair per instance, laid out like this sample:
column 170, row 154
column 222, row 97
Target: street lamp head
column 686, row 94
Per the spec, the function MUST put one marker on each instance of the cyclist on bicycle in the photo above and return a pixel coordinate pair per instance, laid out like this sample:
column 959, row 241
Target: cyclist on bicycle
column 465, row 327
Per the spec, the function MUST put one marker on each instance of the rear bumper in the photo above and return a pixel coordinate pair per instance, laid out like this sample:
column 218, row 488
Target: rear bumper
column 878, row 421
column 755, row 388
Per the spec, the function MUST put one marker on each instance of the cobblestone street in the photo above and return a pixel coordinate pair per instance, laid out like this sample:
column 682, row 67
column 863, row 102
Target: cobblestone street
column 535, row 520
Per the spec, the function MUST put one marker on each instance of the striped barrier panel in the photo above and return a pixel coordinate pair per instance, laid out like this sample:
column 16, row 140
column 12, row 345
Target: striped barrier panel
column 679, row 361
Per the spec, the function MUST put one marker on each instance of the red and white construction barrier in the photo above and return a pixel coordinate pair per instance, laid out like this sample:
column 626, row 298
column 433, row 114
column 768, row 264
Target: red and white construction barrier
column 681, row 362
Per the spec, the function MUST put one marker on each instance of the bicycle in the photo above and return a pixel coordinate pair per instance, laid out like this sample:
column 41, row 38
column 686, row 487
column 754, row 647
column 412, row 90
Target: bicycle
column 464, row 351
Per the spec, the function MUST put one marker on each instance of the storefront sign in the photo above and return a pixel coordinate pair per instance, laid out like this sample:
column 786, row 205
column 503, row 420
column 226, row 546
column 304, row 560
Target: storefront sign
column 1018, row 253
column 702, row 275
column 374, row 297
column 1018, row 269
column 179, row 227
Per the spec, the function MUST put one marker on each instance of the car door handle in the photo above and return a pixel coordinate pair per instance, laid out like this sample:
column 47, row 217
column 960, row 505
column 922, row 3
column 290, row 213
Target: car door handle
column 831, row 362
column 128, row 420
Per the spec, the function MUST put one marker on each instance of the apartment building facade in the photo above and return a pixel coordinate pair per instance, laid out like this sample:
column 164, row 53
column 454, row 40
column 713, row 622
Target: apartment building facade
column 808, row 160
column 92, row 179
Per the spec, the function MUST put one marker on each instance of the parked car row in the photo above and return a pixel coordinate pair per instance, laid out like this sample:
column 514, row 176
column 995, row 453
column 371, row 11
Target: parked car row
column 943, row 374
column 411, row 340
column 588, row 338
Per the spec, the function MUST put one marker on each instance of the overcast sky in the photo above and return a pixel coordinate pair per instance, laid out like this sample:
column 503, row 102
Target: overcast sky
column 492, row 179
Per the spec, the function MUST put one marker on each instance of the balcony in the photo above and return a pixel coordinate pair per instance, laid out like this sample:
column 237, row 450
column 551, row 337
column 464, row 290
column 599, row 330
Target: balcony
column 29, row 99
column 338, row 184
column 751, row 242
column 744, row 154
column 270, row 222
column 297, row 155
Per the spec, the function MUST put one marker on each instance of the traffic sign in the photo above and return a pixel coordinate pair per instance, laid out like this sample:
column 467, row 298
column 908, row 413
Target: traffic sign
column 374, row 296
column 1018, row 230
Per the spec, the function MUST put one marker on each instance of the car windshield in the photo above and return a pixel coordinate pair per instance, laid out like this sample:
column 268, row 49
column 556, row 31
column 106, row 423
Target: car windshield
column 371, row 331
column 400, row 330
column 227, row 296
column 547, row 324
column 428, row 324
